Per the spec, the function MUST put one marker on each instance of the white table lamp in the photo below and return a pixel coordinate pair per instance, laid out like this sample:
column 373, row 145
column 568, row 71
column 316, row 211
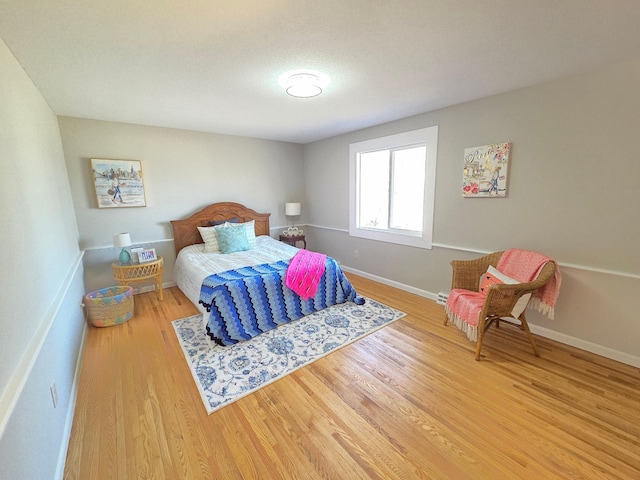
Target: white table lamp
column 122, row 240
column 292, row 209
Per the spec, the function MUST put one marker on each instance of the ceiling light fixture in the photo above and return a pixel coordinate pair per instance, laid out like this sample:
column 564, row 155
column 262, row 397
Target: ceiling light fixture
column 303, row 84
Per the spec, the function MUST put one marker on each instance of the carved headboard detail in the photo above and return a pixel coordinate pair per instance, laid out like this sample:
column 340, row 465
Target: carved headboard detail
column 185, row 232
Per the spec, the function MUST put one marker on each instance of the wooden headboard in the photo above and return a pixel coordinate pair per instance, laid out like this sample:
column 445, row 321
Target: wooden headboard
column 185, row 232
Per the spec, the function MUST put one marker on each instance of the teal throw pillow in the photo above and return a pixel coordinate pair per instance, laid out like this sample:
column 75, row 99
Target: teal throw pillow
column 232, row 239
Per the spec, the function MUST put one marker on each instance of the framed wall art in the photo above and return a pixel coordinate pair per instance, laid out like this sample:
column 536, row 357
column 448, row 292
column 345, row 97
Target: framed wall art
column 118, row 183
column 485, row 171
column 147, row 255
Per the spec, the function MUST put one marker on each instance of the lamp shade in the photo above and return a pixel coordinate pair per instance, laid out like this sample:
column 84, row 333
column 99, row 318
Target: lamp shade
column 292, row 209
column 122, row 240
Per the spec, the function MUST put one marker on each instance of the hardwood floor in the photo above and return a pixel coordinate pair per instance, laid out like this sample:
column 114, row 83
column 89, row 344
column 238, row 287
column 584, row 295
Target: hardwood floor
column 408, row 401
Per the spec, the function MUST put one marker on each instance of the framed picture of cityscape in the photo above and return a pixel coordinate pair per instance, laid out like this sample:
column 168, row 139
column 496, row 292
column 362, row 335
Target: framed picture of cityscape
column 118, row 183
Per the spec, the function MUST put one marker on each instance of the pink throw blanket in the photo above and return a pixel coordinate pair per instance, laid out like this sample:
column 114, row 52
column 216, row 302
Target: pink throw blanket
column 525, row 265
column 304, row 273
column 463, row 309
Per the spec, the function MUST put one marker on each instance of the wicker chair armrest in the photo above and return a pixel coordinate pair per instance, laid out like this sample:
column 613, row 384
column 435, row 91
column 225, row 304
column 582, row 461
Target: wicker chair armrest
column 502, row 297
column 466, row 273
column 518, row 289
column 529, row 287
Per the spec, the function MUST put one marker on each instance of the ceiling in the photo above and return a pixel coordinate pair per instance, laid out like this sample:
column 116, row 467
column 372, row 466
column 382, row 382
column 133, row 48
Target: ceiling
column 213, row 65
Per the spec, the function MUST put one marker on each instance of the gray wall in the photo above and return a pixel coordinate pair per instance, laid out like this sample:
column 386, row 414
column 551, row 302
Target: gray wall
column 41, row 283
column 573, row 195
column 183, row 171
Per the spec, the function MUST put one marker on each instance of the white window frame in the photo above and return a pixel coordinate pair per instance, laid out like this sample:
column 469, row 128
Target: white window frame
column 427, row 136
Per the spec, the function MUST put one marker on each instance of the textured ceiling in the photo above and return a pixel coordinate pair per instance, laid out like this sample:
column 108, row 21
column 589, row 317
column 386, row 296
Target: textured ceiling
column 214, row 65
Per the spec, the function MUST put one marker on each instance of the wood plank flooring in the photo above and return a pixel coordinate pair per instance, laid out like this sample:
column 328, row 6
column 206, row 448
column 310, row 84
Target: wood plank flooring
column 406, row 402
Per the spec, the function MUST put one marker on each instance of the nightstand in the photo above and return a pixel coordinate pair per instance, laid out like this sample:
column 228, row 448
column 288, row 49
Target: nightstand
column 127, row 274
column 293, row 240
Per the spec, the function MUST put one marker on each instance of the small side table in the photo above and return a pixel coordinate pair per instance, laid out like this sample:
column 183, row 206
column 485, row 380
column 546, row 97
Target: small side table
column 139, row 273
column 293, row 240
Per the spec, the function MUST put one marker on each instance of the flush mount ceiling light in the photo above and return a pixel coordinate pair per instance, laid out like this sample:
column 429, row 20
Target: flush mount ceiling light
column 303, row 84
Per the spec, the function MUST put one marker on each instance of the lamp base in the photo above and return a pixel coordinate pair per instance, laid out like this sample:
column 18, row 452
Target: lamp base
column 125, row 257
column 292, row 232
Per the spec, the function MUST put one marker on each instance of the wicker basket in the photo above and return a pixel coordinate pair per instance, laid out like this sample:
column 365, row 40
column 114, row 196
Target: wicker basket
column 110, row 306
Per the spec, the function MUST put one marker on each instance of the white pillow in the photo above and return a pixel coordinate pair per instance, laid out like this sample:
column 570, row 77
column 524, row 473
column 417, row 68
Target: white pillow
column 522, row 302
column 250, row 230
column 210, row 239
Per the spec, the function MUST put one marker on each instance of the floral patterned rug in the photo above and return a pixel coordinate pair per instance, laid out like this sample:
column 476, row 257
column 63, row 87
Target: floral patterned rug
column 226, row 374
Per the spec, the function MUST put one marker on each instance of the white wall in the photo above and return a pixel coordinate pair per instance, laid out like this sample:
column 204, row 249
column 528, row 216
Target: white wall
column 573, row 195
column 183, row 171
column 41, row 288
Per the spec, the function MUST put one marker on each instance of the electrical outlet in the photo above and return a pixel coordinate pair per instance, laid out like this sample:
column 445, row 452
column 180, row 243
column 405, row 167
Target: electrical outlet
column 54, row 394
column 356, row 254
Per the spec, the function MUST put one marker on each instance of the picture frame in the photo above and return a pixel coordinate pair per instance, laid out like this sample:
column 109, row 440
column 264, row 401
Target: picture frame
column 118, row 183
column 135, row 252
column 147, row 255
column 485, row 171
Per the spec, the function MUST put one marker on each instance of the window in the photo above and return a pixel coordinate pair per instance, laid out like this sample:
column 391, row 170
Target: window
column 392, row 187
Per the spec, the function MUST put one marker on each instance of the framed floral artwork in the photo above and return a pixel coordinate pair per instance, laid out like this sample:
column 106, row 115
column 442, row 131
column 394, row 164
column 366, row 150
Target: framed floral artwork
column 485, row 171
column 118, row 183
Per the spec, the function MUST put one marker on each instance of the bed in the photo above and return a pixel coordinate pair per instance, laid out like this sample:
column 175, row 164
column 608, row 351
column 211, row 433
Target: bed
column 242, row 294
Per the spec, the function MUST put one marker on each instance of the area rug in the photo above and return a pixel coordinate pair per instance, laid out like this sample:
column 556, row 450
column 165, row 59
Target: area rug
column 226, row 374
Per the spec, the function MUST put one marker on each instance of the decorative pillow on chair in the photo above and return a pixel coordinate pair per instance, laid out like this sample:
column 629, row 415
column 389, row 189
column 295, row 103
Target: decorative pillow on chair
column 493, row 276
column 487, row 280
column 232, row 239
column 210, row 239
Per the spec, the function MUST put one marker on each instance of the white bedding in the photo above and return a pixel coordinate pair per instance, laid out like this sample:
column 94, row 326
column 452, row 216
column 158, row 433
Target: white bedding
column 193, row 265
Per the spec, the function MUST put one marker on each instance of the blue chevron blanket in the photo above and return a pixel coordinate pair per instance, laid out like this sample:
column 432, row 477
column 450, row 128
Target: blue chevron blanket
column 245, row 302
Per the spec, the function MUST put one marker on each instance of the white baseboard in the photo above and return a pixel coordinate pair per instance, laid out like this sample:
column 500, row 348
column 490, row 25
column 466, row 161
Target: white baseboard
column 603, row 351
column 591, row 347
column 151, row 288
column 391, row 283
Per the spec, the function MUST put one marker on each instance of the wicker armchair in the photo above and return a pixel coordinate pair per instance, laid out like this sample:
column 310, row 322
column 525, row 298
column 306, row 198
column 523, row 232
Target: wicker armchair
column 501, row 298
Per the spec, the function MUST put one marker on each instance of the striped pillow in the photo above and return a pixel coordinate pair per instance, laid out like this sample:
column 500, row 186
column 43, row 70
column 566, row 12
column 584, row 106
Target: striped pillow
column 210, row 239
